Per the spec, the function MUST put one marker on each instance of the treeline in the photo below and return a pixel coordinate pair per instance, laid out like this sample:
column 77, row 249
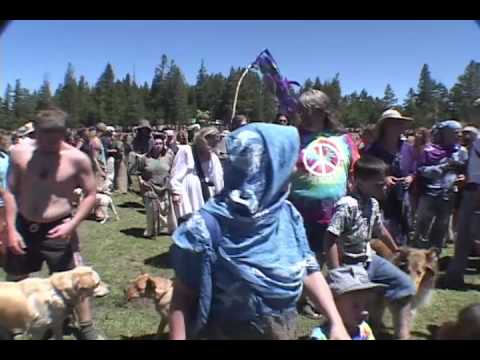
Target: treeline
column 171, row 100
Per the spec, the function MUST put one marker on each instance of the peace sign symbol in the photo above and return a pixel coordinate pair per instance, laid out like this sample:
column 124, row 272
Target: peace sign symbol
column 321, row 158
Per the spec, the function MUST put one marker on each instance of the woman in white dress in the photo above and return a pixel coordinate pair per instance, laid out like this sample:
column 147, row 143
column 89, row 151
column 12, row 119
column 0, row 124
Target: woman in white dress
column 197, row 173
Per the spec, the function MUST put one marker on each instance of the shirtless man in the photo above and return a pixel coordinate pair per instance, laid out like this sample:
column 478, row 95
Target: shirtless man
column 43, row 175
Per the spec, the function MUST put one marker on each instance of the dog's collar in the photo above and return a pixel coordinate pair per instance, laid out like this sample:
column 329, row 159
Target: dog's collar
column 68, row 302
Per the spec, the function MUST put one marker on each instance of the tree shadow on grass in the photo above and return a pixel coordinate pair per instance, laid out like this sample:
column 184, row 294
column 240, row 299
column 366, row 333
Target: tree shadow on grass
column 131, row 205
column 145, row 337
column 421, row 335
column 135, row 232
column 161, row 261
column 382, row 335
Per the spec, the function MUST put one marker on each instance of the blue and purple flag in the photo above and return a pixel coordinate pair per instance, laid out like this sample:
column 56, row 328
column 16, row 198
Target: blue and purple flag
column 281, row 87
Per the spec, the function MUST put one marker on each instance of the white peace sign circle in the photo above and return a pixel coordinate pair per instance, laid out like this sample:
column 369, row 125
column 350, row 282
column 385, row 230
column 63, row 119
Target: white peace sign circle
column 326, row 158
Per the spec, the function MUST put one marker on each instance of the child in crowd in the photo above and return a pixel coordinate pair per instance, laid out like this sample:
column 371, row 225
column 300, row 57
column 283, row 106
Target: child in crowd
column 356, row 220
column 352, row 291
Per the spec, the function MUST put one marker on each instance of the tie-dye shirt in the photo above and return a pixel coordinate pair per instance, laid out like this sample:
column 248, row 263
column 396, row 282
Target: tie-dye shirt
column 321, row 178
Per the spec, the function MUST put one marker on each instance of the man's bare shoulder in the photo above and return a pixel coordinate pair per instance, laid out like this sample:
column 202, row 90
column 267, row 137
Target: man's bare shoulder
column 21, row 150
column 75, row 154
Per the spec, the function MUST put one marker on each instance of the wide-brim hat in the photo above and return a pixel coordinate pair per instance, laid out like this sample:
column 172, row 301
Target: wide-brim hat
column 101, row 127
column 26, row 129
column 144, row 124
column 392, row 114
column 347, row 279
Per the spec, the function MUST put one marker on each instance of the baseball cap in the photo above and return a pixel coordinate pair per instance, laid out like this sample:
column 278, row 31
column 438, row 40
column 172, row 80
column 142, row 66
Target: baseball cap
column 350, row 278
column 449, row 124
column 53, row 119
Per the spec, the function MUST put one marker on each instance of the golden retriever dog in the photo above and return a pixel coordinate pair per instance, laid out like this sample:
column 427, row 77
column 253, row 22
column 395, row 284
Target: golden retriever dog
column 157, row 288
column 103, row 202
column 36, row 305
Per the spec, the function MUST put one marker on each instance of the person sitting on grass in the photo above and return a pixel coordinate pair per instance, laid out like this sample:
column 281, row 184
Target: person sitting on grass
column 352, row 291
column 356, row 220
column 242, row 261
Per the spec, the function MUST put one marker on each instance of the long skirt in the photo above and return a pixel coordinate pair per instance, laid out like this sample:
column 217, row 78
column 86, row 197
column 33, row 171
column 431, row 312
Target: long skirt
column 121, row 180
column 110, row 172
column 157, row 210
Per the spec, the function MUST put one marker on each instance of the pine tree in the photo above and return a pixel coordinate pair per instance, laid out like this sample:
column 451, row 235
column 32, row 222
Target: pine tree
column 107, row 97
column 44, row 95
column 86, row 104
column 177, row 110
column 215, row 87
column 441, row 101
column 270, row 105
column 307, row 85
column 157, row 100
column 334, row 91
column 135, row 107
column 8, row 118
column 23, row 106
column 389, row 99
column 409, row 104
column 201, row 87
column 68, row 96
column 425, row 88
column 226, row 104
column 192, row 101
column 464, row 92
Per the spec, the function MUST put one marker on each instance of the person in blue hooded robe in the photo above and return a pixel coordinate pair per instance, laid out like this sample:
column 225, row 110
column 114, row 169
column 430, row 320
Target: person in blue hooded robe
column 243, row 260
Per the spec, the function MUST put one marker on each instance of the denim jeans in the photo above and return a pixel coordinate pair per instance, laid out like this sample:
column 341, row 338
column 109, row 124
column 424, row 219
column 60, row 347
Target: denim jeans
column 433, row 217
column 399, row 284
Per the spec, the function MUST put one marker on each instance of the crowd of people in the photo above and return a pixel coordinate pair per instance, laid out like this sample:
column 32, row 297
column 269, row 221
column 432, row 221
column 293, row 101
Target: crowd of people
column 255, row 212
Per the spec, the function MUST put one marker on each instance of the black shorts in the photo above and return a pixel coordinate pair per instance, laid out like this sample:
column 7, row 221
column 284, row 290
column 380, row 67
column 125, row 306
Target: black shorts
column 57, row 253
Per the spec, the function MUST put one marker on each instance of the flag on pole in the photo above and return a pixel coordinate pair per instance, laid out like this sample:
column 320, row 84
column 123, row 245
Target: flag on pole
column 280, row 87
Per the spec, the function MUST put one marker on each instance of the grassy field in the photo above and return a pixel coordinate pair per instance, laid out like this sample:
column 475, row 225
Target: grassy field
column 118, row 251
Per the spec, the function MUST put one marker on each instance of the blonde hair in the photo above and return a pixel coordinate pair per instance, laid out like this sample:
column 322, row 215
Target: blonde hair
column 200, row 136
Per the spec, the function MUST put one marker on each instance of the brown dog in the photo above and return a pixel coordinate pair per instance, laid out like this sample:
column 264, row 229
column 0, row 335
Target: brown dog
column 421, row 265
column 153, row 287
column 36, row 305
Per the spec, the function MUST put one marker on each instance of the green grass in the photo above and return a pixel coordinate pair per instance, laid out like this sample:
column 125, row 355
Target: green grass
column 119, row 253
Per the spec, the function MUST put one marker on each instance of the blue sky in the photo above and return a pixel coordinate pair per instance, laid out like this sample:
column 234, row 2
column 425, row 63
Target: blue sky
column 367, row 54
